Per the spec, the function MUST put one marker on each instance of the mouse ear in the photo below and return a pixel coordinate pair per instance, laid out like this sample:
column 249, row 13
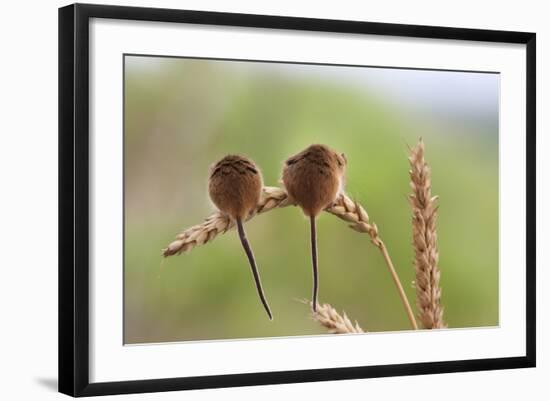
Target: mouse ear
column 344, row 157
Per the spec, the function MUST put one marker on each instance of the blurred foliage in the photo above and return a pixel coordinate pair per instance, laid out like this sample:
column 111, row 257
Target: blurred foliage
column 183, row 115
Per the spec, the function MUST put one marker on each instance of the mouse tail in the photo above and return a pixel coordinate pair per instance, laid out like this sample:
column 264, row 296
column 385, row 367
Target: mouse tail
column 250, row 255
column 314, row 261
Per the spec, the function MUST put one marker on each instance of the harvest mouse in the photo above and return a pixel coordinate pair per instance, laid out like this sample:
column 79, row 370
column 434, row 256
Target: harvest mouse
column 314, row 178
column 235, row 186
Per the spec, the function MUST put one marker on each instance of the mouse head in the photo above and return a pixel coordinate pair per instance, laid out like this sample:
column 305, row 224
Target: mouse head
column 323, row 154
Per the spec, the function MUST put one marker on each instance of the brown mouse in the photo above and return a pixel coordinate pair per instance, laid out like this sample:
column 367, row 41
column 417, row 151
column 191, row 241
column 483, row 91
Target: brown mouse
column 235, row 186
column 314, row 178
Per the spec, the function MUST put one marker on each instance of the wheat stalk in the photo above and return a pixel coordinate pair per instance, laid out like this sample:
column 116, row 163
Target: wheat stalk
column 424, row 210
column 335, row 323
column 353, row 212
column 273, row 197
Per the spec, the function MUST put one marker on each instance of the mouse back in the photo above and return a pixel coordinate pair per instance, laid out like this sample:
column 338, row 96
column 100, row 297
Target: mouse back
column 235, row 186
column 314, row 178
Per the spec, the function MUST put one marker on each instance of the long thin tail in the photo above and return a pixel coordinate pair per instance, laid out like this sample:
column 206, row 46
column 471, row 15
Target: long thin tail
column 252, row 261
column 314, row 261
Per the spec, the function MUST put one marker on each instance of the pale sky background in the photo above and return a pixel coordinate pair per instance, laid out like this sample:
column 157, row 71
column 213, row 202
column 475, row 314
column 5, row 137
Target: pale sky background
column 439, row 94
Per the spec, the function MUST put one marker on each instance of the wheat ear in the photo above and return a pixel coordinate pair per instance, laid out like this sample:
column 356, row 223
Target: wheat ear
column 335, row 323
column 273, row 197
column 424, row 216
column 218, row 223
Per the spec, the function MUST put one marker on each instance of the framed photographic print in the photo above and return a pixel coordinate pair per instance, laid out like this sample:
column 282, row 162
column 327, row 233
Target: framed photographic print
column 238, row 192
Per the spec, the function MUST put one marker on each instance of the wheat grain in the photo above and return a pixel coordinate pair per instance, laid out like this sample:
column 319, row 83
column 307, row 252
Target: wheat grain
column 335, row 323
column 424, row 210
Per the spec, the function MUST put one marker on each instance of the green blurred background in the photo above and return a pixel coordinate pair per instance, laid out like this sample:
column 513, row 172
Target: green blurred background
column 182, row 115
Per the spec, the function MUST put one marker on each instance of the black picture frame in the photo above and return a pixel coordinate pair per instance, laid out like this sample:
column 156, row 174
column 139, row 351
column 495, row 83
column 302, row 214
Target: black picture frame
column 74, row 198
